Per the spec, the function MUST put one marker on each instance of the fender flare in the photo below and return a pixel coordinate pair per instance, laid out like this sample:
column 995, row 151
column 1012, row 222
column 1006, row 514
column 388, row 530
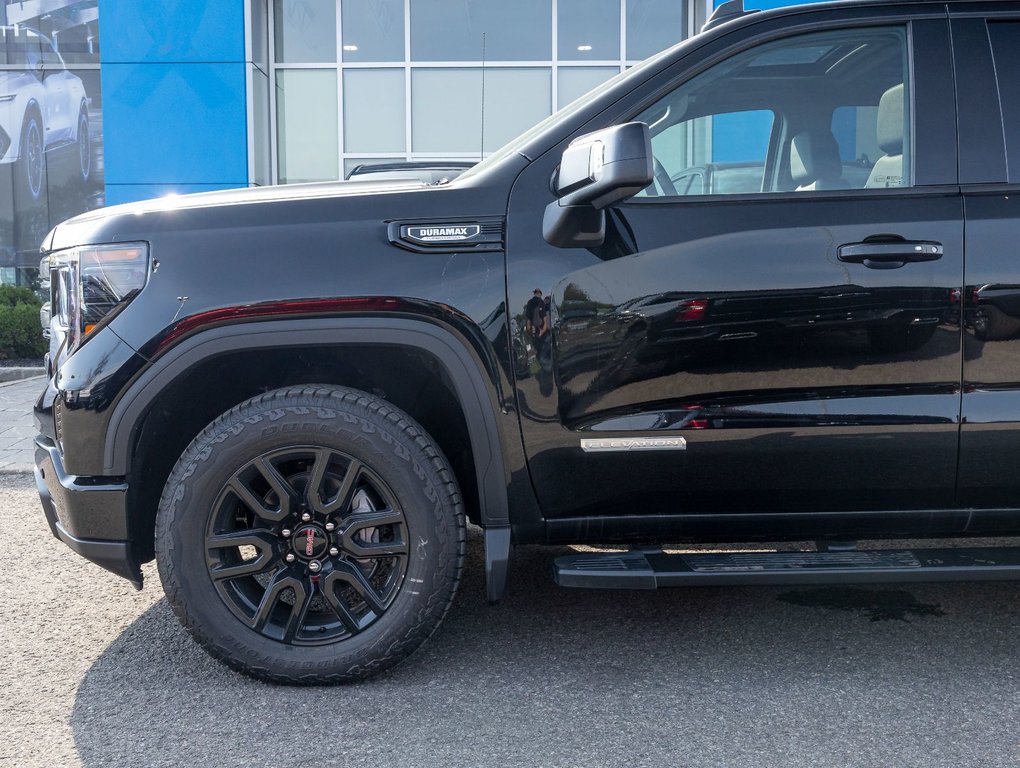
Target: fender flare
column 477, row 398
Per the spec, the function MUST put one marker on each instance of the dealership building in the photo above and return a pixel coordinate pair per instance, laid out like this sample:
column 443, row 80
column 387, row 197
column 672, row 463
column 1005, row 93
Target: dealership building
column 187, row 96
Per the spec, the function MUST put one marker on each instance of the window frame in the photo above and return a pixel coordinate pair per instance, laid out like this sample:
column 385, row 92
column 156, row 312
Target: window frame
column 984, row 158
column 927, row 86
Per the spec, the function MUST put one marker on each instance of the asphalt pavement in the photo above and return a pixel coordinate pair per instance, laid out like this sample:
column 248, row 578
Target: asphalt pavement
column 93, row 673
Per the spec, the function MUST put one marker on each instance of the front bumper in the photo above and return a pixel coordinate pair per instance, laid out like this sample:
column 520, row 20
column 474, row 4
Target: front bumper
column 88, row 514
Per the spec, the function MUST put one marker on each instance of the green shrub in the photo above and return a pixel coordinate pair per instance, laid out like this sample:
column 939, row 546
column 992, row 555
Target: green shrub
column 20, row 332
column 12, row 295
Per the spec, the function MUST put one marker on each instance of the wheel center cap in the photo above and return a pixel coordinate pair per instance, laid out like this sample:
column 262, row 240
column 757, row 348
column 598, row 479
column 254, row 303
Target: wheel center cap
column 309, row 542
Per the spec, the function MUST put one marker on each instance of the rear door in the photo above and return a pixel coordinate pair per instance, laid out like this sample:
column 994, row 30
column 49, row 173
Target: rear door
column 986, row 39
column 788, row 342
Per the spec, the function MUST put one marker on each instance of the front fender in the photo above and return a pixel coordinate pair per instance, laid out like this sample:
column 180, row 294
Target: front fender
column 490, row 426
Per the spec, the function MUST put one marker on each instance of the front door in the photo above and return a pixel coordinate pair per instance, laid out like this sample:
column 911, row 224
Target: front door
column 773, row 326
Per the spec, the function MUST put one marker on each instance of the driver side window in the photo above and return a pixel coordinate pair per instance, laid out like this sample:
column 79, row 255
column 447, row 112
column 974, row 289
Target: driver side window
column 712, row 155
column 822, row 111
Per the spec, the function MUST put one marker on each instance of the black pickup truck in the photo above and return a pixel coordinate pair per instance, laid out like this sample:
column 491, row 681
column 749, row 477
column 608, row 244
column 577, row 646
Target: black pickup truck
column 295, row 398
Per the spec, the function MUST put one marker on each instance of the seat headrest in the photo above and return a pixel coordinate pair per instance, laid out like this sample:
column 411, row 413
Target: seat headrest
column 814, row 155
column 890, row 120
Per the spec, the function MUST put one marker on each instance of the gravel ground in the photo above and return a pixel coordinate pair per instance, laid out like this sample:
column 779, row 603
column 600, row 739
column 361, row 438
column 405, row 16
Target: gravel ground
column 95, row 674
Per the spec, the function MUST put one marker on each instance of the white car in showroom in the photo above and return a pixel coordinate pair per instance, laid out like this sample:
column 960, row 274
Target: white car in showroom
column 43, row 107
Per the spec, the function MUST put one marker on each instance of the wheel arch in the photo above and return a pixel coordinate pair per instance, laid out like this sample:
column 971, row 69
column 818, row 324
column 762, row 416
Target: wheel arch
column 476, row 394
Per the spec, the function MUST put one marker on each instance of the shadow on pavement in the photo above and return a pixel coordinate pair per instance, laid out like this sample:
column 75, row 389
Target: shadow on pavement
column 765, row 676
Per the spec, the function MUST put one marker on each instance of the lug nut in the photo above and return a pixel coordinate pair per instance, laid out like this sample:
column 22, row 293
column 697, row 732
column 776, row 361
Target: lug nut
column 290, row 558
column 333, row 551
column 306, row 517
column 285, row 533
column 330, row 526
column 314, row 566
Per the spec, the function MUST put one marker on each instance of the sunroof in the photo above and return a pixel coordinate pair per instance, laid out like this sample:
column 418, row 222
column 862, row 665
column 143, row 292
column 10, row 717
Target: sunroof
column 804, row 54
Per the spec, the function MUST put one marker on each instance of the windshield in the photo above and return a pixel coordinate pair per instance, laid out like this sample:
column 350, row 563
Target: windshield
column 565, row 113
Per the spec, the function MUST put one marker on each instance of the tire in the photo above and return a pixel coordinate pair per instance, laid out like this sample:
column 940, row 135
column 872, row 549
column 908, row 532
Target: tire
column 344, row 458
column 996, row 325
column 84, row 145
column 31, row 166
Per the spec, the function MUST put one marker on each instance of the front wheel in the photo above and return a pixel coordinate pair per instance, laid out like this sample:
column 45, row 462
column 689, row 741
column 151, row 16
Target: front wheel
column 311, row 535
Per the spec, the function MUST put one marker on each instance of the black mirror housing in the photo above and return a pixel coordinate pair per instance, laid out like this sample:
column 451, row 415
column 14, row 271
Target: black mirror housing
column 606, row 166
column 573, row 226
column 596, row 170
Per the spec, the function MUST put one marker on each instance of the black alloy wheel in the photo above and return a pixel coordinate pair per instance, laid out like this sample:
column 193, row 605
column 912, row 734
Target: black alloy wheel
column 311, row 535
column 306, row 545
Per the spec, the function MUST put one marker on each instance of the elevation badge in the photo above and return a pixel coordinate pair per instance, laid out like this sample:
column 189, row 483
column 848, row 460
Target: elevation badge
column 609, row 444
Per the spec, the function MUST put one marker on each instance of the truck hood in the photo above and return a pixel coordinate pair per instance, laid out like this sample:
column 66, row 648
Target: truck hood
column 252, row 195
column 73, row 231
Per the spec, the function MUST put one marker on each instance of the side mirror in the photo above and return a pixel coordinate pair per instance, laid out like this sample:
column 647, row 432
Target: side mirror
column 596, row 170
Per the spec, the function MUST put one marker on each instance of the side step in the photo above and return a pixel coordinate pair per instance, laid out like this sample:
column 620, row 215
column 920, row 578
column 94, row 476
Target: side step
column 651, row 570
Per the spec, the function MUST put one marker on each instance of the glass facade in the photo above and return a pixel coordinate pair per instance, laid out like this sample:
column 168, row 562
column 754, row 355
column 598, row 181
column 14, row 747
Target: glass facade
column 51, row 125
column 367, row 81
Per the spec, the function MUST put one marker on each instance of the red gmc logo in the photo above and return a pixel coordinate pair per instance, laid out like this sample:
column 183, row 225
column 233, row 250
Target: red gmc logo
column 309, row 542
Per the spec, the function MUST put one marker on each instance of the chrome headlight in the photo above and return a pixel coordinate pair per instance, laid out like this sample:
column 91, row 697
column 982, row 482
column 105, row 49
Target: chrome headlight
column 91, row 284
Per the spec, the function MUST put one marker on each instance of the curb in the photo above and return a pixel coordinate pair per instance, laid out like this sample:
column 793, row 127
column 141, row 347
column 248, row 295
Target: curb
column 10, row 375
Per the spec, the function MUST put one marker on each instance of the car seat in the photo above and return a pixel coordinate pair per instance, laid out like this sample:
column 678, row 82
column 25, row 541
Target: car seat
column 815, row 162
column 888, row 171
